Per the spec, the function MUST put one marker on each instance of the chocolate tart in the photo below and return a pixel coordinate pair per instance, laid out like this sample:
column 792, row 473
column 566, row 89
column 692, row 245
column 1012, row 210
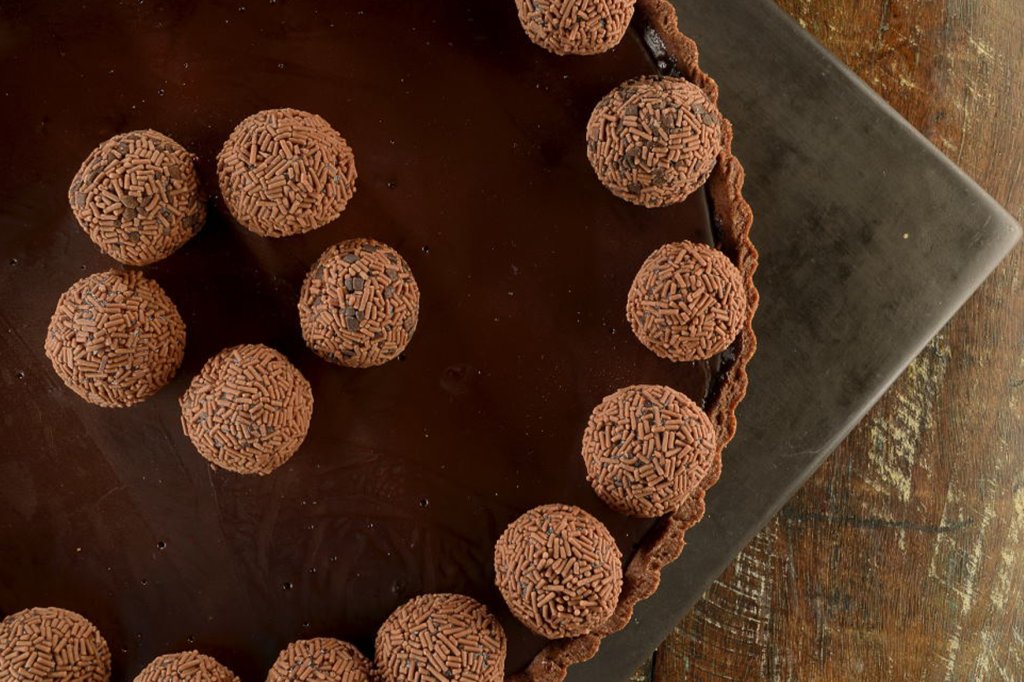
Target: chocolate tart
column 472, row 164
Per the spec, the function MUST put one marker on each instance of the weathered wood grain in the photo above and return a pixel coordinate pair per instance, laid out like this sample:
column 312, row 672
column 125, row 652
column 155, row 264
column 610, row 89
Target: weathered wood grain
column 903, row 557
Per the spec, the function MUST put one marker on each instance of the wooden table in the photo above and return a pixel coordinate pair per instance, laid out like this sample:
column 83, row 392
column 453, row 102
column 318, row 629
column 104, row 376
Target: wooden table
column 903, row 557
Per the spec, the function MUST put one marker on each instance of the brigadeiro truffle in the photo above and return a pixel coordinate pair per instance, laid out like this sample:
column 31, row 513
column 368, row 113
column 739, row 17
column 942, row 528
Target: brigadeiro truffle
column 137, row 197
column 646, row 449
column 575, row 26
column 687, row 302
column 285, row 172
column 187, row 666
column 321, row 659
column 248, row 409
column 115, row 338
column 441, row 637
column 360, row 304
column 654, row 140
column 559, row 571
column 49, row 644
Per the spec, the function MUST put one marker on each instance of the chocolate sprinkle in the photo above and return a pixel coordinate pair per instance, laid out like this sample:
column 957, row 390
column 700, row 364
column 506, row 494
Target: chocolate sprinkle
column 646, row 449
column 187, row 666
column 321, row 659
column 115, row 338
column 248, row 409
column 559, row 570
column 575, row 26
column 50, row 644
column 687, row 302
column 442, row 637
column 654, row 140
column 360, row 304
column 137, row 197
column 284, row 172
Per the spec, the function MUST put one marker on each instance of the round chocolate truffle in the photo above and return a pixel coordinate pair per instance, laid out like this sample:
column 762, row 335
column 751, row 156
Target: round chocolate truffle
column 575, row 26
column 321, row 659
column 360, row 304
column 654, row 140
column 285, row 172
column 49, row 644
column 687, row 302
column 115, row 338
column 559, row 570
column 441, row 637
column 646, row 449
column 187, row 666
column 248, row 409
column 137, row 197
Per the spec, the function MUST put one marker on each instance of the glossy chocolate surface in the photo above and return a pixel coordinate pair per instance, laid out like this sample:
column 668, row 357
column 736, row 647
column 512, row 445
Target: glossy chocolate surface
column 469, row 146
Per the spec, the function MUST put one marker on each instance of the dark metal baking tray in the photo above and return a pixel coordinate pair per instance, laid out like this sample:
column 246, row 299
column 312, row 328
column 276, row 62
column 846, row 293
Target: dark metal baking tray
column 870, row 241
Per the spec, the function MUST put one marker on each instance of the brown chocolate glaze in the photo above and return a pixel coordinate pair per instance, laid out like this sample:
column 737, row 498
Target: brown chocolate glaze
column 470, row 146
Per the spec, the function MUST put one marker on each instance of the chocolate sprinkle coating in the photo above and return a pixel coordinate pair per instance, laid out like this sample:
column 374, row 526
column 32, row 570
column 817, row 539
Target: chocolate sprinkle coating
column 137, row 197
column 115, row 338
column 284, row 172
column 441, row 637
column 647, row 448
column 559, row 570
column 360, row 304
column 687, row 302
column 575, row 26
column 248, row 409
column 187, row 666
column 654, row 140
column 44, row 644
column 321, row 659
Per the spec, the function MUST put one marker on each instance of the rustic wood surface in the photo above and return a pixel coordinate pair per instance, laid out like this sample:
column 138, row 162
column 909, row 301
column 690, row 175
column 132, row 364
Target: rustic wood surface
column 903, row 557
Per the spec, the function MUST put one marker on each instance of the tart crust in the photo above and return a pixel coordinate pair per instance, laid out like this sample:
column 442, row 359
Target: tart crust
column 732, row 218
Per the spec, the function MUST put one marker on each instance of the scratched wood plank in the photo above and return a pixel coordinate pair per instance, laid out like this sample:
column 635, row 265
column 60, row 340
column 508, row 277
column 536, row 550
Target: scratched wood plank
column 903, row 557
